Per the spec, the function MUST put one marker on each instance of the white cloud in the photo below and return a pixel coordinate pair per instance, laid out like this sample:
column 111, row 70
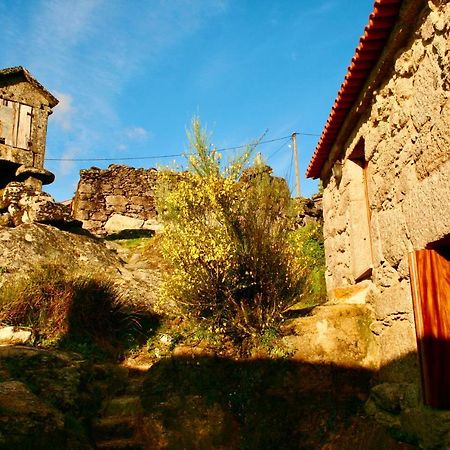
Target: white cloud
column 62, row 114
column 94, row 49
column 136, row 134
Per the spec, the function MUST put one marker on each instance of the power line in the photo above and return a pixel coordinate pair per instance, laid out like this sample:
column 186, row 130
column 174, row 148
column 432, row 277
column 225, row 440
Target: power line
column 175, row 155
column 279, row 148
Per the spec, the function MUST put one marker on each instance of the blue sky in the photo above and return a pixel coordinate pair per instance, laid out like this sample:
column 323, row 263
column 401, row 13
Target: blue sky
column 130, row 74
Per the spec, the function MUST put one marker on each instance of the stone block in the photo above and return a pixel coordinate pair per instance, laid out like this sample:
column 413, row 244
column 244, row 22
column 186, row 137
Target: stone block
column 426, row 208
column 142, row 200
column 119, row 222
column 393, row 301
column 435, row 146
column 99, row 215
column 86, row 188
column 393, row 235
column 399, row 351
column 335, row 334
column 152, row 224
column 13, row 336
column 116, row 200
column 82, row 215
column 356, row 294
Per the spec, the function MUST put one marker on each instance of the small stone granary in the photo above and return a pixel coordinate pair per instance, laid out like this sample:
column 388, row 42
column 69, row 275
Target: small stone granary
column 24, row 109
column 384, row 160
column 118, row 198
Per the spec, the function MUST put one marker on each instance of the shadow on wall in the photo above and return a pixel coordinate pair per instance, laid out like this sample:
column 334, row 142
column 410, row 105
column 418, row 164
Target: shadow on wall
column 212, row 403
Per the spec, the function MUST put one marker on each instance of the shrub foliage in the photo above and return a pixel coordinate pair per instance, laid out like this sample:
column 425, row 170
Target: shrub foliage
column 227, row 240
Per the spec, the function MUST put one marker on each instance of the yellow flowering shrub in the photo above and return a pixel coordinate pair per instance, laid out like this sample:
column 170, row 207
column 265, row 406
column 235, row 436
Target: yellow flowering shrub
column 226, row 238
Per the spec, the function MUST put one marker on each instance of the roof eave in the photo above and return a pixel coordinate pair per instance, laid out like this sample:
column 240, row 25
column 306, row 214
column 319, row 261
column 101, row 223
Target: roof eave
column 369, row 64
column 52, row 100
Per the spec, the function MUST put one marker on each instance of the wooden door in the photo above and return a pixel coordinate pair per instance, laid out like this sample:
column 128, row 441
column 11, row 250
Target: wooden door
column 15, row 123
column 430, row 282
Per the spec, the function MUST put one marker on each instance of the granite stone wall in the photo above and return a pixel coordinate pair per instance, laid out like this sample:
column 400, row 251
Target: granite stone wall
column 403, row 140
column 117, row 198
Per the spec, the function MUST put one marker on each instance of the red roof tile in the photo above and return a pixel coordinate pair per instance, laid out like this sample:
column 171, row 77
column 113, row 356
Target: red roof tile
column 371, row 44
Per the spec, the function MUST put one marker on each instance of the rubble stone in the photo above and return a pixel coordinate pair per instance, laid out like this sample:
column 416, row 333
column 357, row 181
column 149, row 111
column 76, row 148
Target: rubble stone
column 115, row 199
column 24, row 204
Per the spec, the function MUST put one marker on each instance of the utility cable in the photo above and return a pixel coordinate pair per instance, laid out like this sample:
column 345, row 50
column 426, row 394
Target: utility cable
column 175, row 155
column 279, row 148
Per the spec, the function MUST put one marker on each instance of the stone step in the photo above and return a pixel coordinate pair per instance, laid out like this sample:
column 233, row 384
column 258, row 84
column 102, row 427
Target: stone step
column 123, row 406
column 134, row 386
column 120, row 444
column 113, row 427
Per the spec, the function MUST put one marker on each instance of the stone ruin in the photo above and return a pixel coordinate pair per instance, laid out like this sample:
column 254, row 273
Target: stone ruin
column 24, row 109
column 121, row 198
column 118, row 198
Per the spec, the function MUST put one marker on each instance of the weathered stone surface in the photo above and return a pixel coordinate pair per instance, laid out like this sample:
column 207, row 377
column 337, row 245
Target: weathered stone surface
column 119, row 222
column 393, row 236
column 398, row 356
column 357, row 294
column 334, row 334
column 23, row 148
column 49, row 397
column 426, row 209
column 33, row 245
column 398, row 406
column 403, row 134
column 116, row 200
column 116, row 191
column 393, row 301
column 13, row 335
column 26, row 421
column 310, row 210
column 24, row 204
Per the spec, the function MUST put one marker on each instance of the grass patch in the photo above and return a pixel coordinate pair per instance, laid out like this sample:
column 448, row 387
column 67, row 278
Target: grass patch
column 72, row 310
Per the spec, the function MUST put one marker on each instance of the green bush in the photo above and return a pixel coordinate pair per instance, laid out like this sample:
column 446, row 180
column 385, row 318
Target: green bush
column 308, row 246
column 226, row 239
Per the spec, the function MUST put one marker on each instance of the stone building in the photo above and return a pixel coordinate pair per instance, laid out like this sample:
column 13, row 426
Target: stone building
column 115, row 199
column 24, row 109
column 384, row 160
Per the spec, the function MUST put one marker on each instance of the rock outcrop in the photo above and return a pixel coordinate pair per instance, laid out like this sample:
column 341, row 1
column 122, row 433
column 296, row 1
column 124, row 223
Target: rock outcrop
column 28, row 246
column 26, row 421
column 48, row 398
column 20, row 203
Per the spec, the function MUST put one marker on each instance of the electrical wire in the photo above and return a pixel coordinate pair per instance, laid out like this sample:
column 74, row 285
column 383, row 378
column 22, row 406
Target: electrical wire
column 279, row 148
column 175, row 155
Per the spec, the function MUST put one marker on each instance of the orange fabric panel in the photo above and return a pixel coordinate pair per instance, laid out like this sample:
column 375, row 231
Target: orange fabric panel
column 430, row 281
